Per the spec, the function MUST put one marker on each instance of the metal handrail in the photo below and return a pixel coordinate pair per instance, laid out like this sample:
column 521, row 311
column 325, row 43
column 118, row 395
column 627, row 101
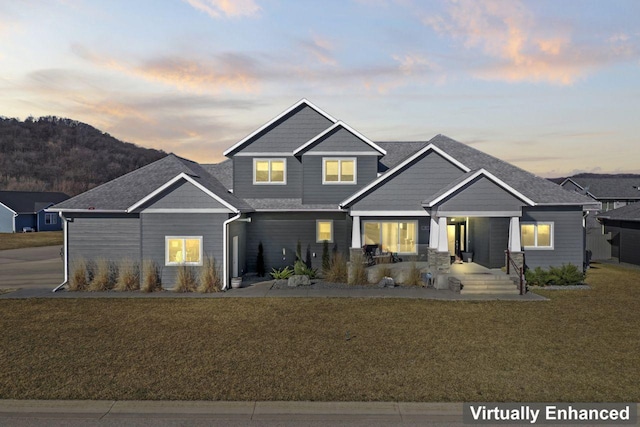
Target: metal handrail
column 520, row 270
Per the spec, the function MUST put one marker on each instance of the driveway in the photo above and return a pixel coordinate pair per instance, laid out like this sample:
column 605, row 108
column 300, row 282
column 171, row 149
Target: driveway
column 31, row 268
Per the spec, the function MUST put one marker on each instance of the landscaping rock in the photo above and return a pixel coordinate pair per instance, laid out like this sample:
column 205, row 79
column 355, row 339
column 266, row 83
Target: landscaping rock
column 386, row 282
column 455, row 285
column 298, row 280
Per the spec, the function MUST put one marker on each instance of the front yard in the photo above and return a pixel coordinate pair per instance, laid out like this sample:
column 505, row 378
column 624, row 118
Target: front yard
column 30, row 240
column 579, row 346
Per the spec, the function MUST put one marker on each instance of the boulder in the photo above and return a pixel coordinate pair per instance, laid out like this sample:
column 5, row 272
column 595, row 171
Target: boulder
column 386, row 282
column 298, row 280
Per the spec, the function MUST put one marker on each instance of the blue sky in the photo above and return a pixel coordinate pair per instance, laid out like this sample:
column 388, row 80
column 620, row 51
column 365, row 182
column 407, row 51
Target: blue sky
column 551, row 86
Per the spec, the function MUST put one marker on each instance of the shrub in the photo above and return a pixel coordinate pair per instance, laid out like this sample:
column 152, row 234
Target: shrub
column 282, row 274
column 104, row 276
column 326, row 260
column 301, row 269
column 128, row 276
column 307, row 260
column 358, row 271
column 536, row 277
column 413, row 276
column 185, row 279
column 260, row 261
column 298, row 251
column 382, row 272
column 78, row 279
column 152, row 281
column 567, row 275
column 338, row 272
column 210, row 276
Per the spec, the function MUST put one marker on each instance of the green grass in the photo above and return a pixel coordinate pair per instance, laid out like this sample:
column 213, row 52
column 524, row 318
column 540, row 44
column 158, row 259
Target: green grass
column 30, row 240
column 579, row 346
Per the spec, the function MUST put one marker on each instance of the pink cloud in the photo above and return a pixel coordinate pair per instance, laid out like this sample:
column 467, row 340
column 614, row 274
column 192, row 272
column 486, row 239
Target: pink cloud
column 229, row 8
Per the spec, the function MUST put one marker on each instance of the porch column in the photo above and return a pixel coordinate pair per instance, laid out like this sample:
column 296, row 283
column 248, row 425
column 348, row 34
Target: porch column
column 514, row 235
column 443, row 241
column 355, row 233
column 433, row 234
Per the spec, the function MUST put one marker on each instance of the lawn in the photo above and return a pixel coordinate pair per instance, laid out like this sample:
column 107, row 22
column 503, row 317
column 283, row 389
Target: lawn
column 578, row 346
column 30, row 240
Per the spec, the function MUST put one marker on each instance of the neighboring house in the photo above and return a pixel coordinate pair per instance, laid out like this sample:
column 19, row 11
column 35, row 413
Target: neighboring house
column 612, row 192
column 623, row 227
column 25, row 210
column 306, row 177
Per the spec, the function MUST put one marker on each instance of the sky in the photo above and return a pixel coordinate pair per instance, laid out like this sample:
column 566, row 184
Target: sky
column 550, row 86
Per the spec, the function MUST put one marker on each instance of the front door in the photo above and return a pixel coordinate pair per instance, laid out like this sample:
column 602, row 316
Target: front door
column 457, row 236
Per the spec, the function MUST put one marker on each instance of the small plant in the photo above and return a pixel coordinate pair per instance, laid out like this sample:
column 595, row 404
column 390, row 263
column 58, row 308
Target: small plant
column 307, row 260
column 78, row 280
column 358, row 274
column 567, row 275
column 260, row 261
column 413, row 276
column 282, row 274
column 128, row 276
column 298, row 251
column 326, row 259
column 152, row 281
column 210, row 276
column 337, row 272
column 185, row 279
column 301, row 269
column 382, row 272
column 104, row 276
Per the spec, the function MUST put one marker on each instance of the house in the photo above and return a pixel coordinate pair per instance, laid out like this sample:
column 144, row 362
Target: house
column 307, row 177
column 25, row 211
column 622, row 225
column 612, row 192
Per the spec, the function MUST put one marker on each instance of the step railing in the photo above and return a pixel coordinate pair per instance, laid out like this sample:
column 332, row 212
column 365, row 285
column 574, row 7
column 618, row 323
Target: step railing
column 519, row 270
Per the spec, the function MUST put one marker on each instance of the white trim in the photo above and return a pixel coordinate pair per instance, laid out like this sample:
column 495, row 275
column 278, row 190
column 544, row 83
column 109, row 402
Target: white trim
column 269, row 160
column 65, row 232
column 225, row 251
column 169, row 183
column 348, row 128
column 398, row 222
column 184, row 211
column 473, row 176
column 88, row 210
column 340, row 160
column 479, row 214
column 342, row 153
column 536, row 247
column 275, row 119
column 318, row 221
column 389, row 213
column 265, row 154
column 169, row 263
column 298, row 210
column 390, row 173
column 356, row 237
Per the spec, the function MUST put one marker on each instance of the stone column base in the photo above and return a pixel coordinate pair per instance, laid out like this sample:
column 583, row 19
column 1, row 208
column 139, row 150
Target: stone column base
column 518, row 258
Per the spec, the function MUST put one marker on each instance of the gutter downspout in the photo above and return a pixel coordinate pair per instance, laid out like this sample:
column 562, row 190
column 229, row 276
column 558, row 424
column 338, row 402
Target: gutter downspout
column 66, row 253
column 225, row 247
column 15, row 215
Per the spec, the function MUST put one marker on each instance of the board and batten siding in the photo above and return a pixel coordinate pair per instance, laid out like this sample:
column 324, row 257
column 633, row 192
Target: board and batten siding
column 114, row 237
column 481, row 195
column 283, row 230
column 417, row 182
column 156, row 226
column 568, row 236
column 244, row 187
column 184, row 194
column 316, row 192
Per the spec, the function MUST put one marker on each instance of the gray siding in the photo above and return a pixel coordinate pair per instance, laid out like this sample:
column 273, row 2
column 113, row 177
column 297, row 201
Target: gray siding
column 340, row 139
column 290, row 132
column 156, row 226
column 315, row 192
column 417, row 182
column 184, row 195
column 6, row 220
column 243, row 186
column 488, row 239
column 625, row 238
column 114, row 237
column 277, row 231
column 481, row 195
column 568, row 236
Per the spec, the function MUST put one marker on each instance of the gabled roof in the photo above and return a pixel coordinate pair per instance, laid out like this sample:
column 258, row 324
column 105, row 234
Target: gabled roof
column 630, row 212
column 337, row 125
column 466, row 179
column 240, row 144
column 29, row 202
column 608, row 187
column 222, row 171
column 128, row 190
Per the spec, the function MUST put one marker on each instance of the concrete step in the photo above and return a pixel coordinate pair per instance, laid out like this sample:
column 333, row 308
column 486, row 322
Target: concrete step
column 475, row 286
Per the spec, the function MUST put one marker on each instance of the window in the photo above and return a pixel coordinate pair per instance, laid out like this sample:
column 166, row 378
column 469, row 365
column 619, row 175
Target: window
column 50, row 218
column 401, row 237
column 338, row 171
column 269, row 171
column 324, row 231
column 537, row 235
column 183, row 250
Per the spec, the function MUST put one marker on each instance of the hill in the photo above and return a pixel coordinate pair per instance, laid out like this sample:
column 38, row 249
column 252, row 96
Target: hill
column 58, row 154
column 595, row 175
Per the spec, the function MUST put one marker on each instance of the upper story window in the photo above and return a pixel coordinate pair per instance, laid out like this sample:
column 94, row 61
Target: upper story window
column 269, row 171
column 338, row 171
column 537, row 235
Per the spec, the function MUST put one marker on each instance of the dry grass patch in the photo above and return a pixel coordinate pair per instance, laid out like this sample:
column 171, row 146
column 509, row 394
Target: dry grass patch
column 185, row 279
column 413, row 276
column 338, row 271
column 128, row 276
column 358, row 271
column 78, row 279
column 104, row 276
column 383, row 271
column 30, row 240
column 578, row 346
column 210, row 280
column 151, row 280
